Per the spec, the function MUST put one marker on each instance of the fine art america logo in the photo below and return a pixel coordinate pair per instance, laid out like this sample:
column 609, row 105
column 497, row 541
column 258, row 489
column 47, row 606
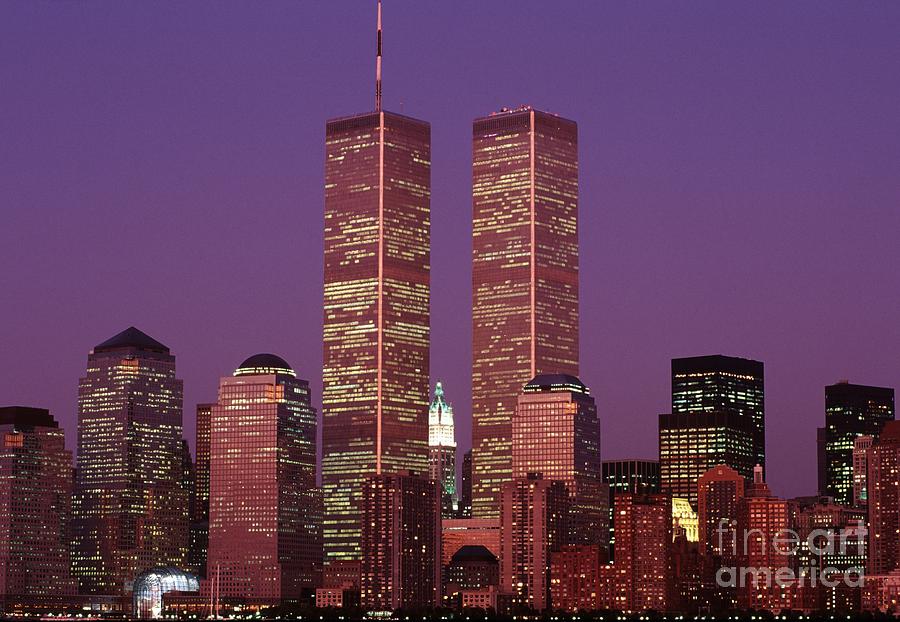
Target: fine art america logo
column 785, row 559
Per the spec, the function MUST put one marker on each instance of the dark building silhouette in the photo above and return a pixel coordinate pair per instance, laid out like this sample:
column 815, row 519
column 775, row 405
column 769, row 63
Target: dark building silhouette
column 199, row 533
column 718, row 383
column 130, row 509
column 465, row 487
column 851, row 410
column 524, row 276
column 35, row 503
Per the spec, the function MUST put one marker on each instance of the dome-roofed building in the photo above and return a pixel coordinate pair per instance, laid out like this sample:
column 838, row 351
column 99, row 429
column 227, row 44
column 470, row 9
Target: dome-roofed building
column 472, row 567
column 555, row 382
column 151, row 586
column 265, row 364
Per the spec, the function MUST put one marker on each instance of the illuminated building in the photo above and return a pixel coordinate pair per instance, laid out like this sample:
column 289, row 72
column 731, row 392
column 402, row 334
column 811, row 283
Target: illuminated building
column 575, row 577
column 684, row 520
column 35, row 501
column 692, row 443
column 884, row 501
column 716, row 383
column 151, row 586
column 860, row 466
column 264, row 539
column 822, row 515
column 442, row 450
column 129, row 508
column 401, row 542
column 555, row 432
column 376, row 326
column 471, row 568
column 851, row 410
column 534, row 523
column 719, row 491
column 636, row 476
column 524, row 276
column 640, row 577
column 465, row 488
column 459, row 532
column 199, row 533
column 762, row 521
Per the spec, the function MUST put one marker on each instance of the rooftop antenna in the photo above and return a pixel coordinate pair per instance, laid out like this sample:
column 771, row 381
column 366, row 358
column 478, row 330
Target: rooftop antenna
column 378, row 64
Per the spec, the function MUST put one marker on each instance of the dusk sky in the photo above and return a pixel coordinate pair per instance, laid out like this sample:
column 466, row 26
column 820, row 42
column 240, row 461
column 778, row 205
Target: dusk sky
column 161, row 165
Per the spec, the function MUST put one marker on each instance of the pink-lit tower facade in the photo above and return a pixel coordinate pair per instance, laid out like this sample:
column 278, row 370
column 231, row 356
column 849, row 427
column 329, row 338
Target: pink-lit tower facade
column 524, row 277
column 130, row 510
column 377, row 317
column 35, row 503
column 264, row 532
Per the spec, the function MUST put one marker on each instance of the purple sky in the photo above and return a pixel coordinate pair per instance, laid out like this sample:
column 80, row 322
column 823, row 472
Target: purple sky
column 161, row 164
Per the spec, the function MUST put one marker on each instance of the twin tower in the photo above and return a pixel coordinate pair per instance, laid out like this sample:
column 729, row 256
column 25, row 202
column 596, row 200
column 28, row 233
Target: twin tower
column 377, row 296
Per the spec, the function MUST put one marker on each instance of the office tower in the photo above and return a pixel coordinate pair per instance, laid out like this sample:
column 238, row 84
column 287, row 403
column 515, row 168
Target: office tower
column 631, row 475
column 692, row 443
column 199, row 530
column 812, row 519
column 129, row 507
column 465, row 489
column 401, row 542
column 718, row 492
column 821, row 468
column 762, row 521
column 264, row 542
column 575, row 577
column 35, row 501
column 524, row 276
column 719, row 383
column 376, row 327
column 555, row 432
column 640, row 577
column 442, row 450
column 860, row 466
column 533, row 524
column 884, row 501
column 851, row 410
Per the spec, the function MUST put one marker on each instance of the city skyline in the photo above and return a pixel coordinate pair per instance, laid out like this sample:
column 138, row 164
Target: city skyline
column 618, row 356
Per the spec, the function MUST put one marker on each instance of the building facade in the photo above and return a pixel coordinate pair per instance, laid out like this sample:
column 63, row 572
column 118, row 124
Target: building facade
column 534, row 523
column 718, row 383
column 130, row 510
column 692, row 443
column 851, row 411
column 719, row 491
column 442, row 451
column 376, row 300
column 556, row 432
column 199, row 530
column 401, row 543
column 35, row 505
column 884, row 501
column 524, row 276
column 264, row 536
column 465, row 486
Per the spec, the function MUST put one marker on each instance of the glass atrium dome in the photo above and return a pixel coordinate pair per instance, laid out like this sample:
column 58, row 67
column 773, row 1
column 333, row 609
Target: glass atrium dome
column 152, row 585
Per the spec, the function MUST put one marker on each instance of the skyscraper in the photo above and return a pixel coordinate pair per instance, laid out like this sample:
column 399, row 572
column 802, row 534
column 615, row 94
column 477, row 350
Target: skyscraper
column 264, row 540
column 851, row 410
column 442, row 450
column 692, row 443
column 35, row 500
column 534, row 524
column 555, row 432
column 377, row 291
column 631, row 476
column 719, row 491
column 884, row 501
column 465, row 488
column 719, row 383
column 401, row 542
column 524, row 276
column 129, row 507
column 199, row 533
column 860, row 468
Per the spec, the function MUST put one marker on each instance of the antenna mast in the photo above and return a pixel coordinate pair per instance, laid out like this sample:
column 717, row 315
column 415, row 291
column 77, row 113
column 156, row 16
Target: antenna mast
column 378, row 64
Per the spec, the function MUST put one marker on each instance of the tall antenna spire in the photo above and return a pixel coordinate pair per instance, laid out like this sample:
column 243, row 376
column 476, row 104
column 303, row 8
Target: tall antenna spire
column 378, row 64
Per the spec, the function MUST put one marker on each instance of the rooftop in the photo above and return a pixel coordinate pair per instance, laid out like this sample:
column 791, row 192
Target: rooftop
column 264, row 364
column 555, row 382
column 131, row 339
